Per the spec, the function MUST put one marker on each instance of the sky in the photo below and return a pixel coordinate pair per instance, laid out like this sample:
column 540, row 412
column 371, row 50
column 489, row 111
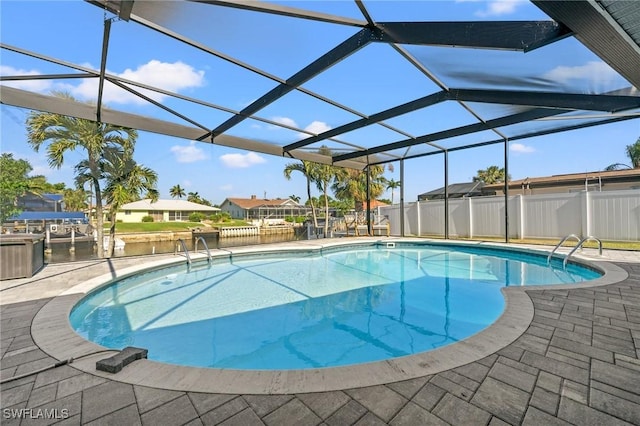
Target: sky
column 72, row 31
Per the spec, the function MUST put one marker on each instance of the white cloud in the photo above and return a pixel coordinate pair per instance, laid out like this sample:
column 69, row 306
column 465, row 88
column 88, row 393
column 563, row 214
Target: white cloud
column 33, row 85
column 284, row 120
column 240, row 161
column 595, row 71
column 520, row 148
column 228, row 187
column 499, row 8
column 188, row 154
column 187, row 183
column 173, row 77
column 316, row 127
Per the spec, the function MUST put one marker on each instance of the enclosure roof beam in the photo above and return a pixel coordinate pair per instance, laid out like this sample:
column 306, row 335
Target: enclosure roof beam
column 505, row 35
column 569, row 101
column 458, row 131
column 335, row 55
column 292, row 12
column 372, row 119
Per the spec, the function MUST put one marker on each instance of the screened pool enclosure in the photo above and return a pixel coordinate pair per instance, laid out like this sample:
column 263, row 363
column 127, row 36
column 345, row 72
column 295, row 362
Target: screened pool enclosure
column 396, row 80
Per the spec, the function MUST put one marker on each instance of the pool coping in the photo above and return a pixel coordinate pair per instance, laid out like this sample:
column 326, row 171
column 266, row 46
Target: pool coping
column 52, row 332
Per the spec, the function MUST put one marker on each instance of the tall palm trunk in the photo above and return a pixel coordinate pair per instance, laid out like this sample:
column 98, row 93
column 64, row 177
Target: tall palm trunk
column 99, row 218
column 326, row 211
column 112, row 233
column 313, row 207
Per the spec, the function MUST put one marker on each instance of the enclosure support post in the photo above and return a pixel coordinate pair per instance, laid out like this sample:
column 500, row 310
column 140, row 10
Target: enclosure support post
column 402, row 197
column 506, row 190
column 446, row 194
column 369, row 225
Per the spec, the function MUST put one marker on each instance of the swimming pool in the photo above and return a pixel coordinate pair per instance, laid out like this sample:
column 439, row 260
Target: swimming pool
column 314, row 309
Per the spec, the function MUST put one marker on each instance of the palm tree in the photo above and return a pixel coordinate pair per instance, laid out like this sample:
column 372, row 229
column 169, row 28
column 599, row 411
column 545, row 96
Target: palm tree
column 126, row 181
column 306, row 168
column 177, row 191
column 295, row 198
column 633, row 152
column 322, row 175
column 66, row 134
column 392, row 185
column 351, row 184
column 193, row 197
column 75, row 199
column 492, row 174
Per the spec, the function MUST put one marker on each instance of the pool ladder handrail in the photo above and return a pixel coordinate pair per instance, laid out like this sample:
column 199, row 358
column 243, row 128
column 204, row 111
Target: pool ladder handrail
column 579, row 246
column 560, row 243
column 205, row 246
column 184, row 248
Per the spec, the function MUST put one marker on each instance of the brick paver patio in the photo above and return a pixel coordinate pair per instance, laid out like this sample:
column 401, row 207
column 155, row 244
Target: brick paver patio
column 577, row 363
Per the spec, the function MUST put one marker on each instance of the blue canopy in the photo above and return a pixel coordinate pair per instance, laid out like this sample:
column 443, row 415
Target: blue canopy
column 57, row 216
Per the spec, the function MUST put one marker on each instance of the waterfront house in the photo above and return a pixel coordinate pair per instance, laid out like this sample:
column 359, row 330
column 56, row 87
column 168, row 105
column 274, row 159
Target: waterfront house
column 162, row 210
column 263, row 209
column 613, row 180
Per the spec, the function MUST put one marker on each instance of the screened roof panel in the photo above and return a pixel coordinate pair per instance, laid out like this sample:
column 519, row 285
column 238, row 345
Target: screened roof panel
column 380, row 76
column 544, row 69
column 566, row 120
column 280, row 45
column 374, row 80
column 307, row 112
column 434, row 118
column 85, row 34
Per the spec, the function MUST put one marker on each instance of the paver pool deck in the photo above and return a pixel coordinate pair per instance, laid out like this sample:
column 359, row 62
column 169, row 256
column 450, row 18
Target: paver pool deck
column 563, row 356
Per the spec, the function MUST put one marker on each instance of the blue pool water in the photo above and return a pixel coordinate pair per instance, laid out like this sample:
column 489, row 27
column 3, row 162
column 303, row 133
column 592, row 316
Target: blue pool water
column 297, row 311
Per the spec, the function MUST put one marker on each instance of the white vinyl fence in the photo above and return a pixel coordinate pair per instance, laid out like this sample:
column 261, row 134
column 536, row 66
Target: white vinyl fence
column 608, row 215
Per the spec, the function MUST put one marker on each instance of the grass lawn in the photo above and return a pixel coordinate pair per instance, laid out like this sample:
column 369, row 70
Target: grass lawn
column 170, row 226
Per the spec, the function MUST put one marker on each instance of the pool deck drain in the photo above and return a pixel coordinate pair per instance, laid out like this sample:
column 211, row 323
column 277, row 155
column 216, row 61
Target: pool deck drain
column 575, row 360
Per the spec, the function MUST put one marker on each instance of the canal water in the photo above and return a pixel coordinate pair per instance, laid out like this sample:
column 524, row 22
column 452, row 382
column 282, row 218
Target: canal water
column 61, row 251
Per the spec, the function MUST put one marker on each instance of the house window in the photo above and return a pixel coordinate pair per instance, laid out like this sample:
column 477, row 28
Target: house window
column 178, row 216
column 127, row 212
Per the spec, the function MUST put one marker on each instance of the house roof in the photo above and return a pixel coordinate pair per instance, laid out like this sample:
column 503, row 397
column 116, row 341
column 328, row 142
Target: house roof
column 629, row 175
column 374, row 204
column 456, row 190
column 251, row 203
column 170, row 205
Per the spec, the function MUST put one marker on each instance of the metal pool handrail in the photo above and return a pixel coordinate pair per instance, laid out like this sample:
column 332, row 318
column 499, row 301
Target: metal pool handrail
column 184, row 248
column 205, row 246
column 579, row 245
column 560, row 243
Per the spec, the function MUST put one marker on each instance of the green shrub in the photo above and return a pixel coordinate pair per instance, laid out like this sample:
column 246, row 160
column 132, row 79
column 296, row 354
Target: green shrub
column 147, row 218
column 196, row 217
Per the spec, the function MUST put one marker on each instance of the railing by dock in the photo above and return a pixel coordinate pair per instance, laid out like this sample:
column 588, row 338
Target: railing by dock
column 239, row 231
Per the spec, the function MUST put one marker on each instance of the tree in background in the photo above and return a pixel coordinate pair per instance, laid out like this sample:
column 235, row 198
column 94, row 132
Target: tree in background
column 350, row 185
column 75, row 200
column 633, row 152
column 306, row 168
column 62, row 134
column 14, row 183
column 194, row 197
column 177, row 191
column 295, row 198
column 126, row 182
column 492, row 174
column 392, row 185
column 323, row 175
